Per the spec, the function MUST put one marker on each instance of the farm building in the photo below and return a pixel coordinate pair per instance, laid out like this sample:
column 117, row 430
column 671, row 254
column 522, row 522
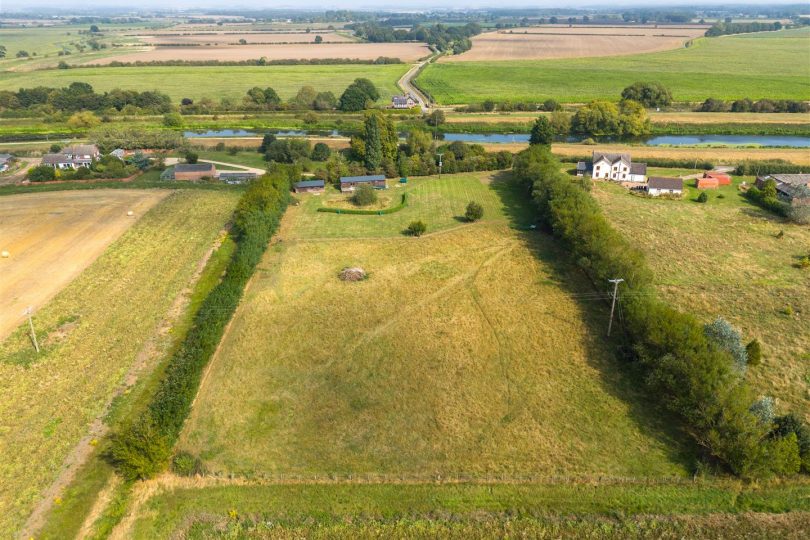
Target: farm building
column 350, row 183
column 308, row 186
column 5, row 161
column 619, row 167
column 659, row 185
column 722, row 178
column 403, row 102
column 792, row 188
column 707, row 183
column 194, row 171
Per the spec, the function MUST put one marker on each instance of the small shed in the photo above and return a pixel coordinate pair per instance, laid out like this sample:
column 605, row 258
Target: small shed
column 308, row 186
column 194, row 171
column 582, row 168
column 722, row 178
column 707, row 183
column 350, row 183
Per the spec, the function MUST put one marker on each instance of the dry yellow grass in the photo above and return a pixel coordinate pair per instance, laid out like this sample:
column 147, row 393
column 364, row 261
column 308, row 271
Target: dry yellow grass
column 575, row 42
column 407, row 52
column 91, row 333
column 656, row 118
column 463, row 353
column 52, row 237
column 220, row 38
column 723, row 258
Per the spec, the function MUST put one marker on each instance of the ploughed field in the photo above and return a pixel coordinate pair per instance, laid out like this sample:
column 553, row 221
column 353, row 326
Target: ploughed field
column 724, row 258
column 464, row 353
column 539, row 42
column 766, row 65
column 102, row 331
column 52, row 237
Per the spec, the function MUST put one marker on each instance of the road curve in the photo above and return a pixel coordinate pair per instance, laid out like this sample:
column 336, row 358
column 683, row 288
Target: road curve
column 405, row 84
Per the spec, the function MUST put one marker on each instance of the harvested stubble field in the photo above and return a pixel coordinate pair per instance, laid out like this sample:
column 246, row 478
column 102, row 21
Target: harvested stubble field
column 723, row 258
column 462, row 353
column 229, row 38
column 773, row 66
column 105, row 321
column 542, row 42
column 53, row 237
column 407, row 52
column 214, row 82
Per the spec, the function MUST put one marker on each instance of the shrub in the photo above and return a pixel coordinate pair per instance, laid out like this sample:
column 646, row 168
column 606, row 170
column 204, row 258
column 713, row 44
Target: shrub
column 41, row 173
column 474, row 211
column 754, row 351
column 763, row 409
column 192, row 157
column 648, row 94
column 172, row 120
column 364, row 195
column 542, row 132
column 417, row 228
column 56, row 147
column 187, row 464
column 792, row 424
column 726, row 337
column 320, row 152
column 488, row 105
column 703, row 197
column 551, row 105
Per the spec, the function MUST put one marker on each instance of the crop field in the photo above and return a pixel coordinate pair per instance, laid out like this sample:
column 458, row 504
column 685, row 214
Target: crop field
column 215, row 82
column 527, row 118
column 723, row 258
column 542, row 42
column 232, row 38
column 462, row 353
column 407, row 52
column 767, row 65
column 92, row 334
column 53, row 237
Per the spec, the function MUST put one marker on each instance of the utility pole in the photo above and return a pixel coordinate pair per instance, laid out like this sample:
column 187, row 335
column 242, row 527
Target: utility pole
column 613, row 304
column 29, row 311
column 440, row 164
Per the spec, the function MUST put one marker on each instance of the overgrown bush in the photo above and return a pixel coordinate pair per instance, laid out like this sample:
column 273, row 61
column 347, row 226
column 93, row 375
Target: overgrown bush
column 187, row 464
column 417, row 228
column 703, row 197
column 143, row 448
column 41, row 173
column 688, row 374
column 474, row 211
column 754, row 352
column 364, row 195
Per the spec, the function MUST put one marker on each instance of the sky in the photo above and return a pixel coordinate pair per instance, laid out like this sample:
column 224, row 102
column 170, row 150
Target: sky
column 18, row 5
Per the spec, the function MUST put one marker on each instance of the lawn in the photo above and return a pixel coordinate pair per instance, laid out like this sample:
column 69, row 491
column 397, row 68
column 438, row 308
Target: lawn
column 92, row 332
column 768, row 65
column 472, row 511
column 215, row 82
column 723, row 258
column 463, row 353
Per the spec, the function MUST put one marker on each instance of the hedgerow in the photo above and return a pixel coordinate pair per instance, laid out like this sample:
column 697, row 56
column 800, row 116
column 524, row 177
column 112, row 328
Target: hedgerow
column 142, row 448
column 358, row 211
column 683, row 368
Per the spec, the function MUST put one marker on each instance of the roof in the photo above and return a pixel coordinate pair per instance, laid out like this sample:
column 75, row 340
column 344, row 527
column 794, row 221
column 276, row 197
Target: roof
column 792, row 179
column 309, row 183
column 582, row 166
column 715, row 174
column 237, row 174
column 81, row 149
column 52, row 159
column 612, row 158
column 638, row 168
column 708, row 181
column 193, row 167
column 361, row 179
column 5, row 157
column 660, row 182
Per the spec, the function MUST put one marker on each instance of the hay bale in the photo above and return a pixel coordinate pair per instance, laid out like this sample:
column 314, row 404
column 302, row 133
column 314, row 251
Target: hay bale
column 5, row 254
column 354, row 273
column 130, row 213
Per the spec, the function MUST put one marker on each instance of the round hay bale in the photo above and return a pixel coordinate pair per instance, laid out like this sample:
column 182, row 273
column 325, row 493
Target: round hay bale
column 130, row 213
column 354, row 273
column 5, row 254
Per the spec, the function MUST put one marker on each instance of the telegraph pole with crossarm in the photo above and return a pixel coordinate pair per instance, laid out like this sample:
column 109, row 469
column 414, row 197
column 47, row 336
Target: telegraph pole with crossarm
column 613, row 304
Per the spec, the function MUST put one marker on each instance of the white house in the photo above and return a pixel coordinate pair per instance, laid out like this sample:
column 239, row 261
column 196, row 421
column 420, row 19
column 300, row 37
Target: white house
column 658, row 185
column 72, row 157
column 403, row 102
column 618, row 167
column 58, row 161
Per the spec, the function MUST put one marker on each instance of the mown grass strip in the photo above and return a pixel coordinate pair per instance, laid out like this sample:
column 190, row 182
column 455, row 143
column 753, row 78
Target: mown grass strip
column 357, row 211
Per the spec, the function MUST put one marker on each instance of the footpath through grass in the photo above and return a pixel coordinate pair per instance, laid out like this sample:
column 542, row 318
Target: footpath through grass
column 726, row 258
column 770, row 65
column 91, row 334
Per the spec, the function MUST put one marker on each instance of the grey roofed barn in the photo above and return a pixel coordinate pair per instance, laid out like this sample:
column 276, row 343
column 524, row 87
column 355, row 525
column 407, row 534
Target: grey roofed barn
column 660, row 182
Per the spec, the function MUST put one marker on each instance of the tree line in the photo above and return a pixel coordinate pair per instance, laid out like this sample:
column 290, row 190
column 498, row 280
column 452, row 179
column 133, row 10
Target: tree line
column 80, row 96
column 440, row 37
column 727, row 28
column 759, row 106
column 695, row 372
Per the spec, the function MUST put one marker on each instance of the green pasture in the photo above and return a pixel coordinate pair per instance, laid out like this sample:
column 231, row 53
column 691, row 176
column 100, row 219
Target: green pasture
column 213, row 82
column 773, row 65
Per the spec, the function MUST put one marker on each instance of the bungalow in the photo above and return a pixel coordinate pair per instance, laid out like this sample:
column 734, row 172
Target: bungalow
column 619, row 167
column 5, row 161
column 82, row 155
column 658, row 185
column 194, row 171
column 350, row 183
column 792, row 188
column 707, row 183
column 403, row 102
column 58, row 161
column 308, row 186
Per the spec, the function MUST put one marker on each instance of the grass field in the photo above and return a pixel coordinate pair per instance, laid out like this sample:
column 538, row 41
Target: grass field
column 722, row 258
column 768, row 65
column 92, row 333
column 463, row 353
column 214, row 82
column 541, row 42
column 471, row 511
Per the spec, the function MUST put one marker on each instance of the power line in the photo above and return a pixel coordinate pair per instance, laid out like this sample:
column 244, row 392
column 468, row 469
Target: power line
column 613, row 304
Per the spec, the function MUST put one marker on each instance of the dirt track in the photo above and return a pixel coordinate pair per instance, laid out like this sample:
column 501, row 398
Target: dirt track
column 52, row 237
